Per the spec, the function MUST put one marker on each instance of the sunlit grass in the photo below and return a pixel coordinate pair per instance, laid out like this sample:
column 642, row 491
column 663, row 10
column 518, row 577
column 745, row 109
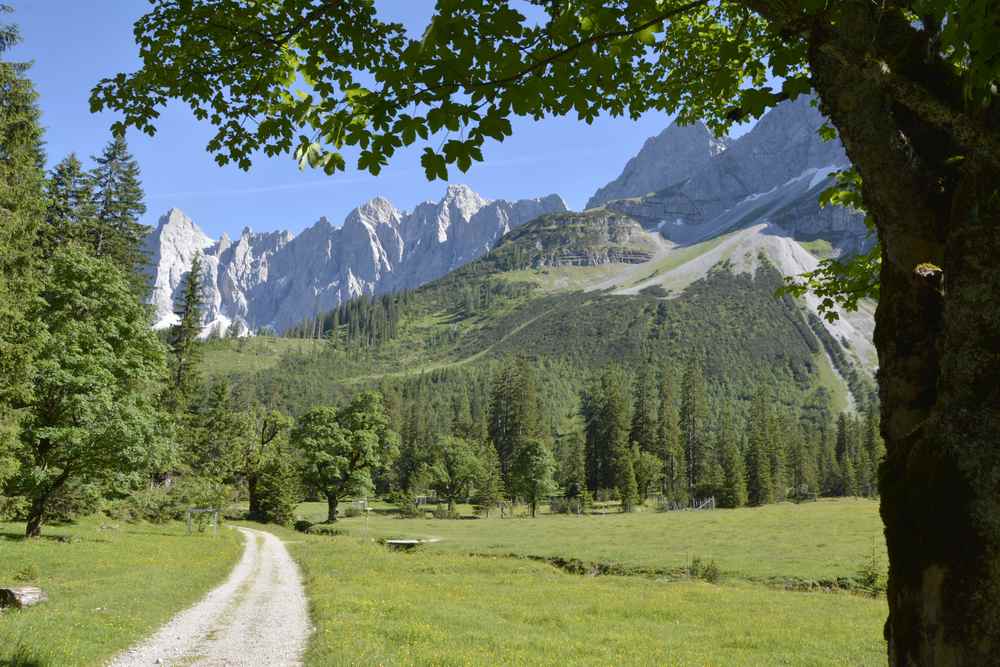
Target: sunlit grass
column 108, row 587
column 817, row 541
column 432, row 607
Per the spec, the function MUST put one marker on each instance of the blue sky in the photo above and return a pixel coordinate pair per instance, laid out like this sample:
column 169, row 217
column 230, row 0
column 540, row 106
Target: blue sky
column 74, row 43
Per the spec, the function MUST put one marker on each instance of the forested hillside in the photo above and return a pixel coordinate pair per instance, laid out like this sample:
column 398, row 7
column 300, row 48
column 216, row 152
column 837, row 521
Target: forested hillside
column 551, row 310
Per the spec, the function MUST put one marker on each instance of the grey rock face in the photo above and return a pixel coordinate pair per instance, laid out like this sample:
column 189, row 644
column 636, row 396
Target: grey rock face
column 664, row 160
column 275, row 280
column 774, row 173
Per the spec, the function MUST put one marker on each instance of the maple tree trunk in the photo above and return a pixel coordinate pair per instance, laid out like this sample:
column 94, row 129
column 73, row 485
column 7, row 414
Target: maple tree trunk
column 937, row 333
column 36, row 517
column 331, row 508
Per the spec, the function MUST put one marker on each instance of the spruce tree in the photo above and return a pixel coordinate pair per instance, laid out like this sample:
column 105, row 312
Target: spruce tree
column 184, row 349
column 22, row 207
column 846, row 457
column 734, row 486
column 694, row 417
column 279, row 489
column 644, row 413
column 669, row 444
column 118, row 234
column 489, row 484
column 874, row 448
column 802, row 471
column 72, row 209
column 514, row 416
column 759, row 488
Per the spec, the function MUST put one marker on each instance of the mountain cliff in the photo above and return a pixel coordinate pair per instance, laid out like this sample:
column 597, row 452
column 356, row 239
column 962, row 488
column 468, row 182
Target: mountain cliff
column 275, row 280
column 772, row 174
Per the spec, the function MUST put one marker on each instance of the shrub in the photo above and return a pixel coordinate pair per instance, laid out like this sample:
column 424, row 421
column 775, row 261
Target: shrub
column 303, row 525
column 872, row 576
column 74, row 500
column 325, row 529
column 13, row 508
column 409, row 509
column 352, row 511
column 698, row 569
column 445, row 513
column 567, row 505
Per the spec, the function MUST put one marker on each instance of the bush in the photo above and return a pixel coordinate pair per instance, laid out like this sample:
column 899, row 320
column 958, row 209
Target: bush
column 408, row 507
column 325, row 529
column 13, row 508
column 351, row 511
column 445, row 513
column 567, row 505
column 73, row 501
column 159, row 504
column 699, row 569
column 152, row 504
column 303, row 525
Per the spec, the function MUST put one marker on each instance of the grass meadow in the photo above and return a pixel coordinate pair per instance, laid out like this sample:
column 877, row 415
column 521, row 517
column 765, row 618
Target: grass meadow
column 440, row 605
column 108, row 586
column 467, row 601
column 819, row 541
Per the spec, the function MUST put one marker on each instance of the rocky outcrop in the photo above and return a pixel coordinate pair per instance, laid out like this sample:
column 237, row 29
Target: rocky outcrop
column 664, row 160
column 275, row 280
column 772, row 174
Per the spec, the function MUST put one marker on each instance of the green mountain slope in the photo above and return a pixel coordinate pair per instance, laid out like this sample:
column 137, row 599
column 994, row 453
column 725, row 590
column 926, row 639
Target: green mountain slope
column 575, row 292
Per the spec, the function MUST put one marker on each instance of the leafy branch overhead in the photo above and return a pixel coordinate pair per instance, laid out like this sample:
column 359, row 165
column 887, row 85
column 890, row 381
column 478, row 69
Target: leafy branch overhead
column 841, row 282
column 310, row 77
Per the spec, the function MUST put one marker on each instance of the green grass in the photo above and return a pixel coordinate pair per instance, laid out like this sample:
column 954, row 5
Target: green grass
column 108, row 588
column 433, row 607
column 819, row 541
column 250, row 355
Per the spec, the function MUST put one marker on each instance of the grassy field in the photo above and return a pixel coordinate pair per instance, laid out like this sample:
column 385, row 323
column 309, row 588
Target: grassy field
column 438, row 607
column 818, row 541
column 107, row 587
column 250, row 355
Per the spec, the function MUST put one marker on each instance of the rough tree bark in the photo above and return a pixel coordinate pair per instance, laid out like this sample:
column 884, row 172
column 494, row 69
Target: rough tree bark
column 331, row 507
column 937, row 333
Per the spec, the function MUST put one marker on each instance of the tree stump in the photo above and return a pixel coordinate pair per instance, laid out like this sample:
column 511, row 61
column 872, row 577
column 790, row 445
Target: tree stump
column 21, row 597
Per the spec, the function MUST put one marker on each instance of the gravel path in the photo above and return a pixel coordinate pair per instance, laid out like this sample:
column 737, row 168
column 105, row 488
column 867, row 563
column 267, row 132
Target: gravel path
column 258, row 616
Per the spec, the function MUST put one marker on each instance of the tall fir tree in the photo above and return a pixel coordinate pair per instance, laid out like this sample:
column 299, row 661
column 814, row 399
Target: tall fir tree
column 759, row 488
column 873, row 448
column 734, row 486
column 185, row 353
column 802, row 462
column 694, row 432
column 514, row 416
column 22, row 207
column 644, row 412
column 118, row 234
column 669, row 444
column 846, row 456
column 72, row 208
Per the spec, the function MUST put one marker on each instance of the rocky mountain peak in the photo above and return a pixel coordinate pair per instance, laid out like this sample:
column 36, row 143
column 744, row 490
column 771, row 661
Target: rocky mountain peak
column 664, row 160
column 275, row 279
